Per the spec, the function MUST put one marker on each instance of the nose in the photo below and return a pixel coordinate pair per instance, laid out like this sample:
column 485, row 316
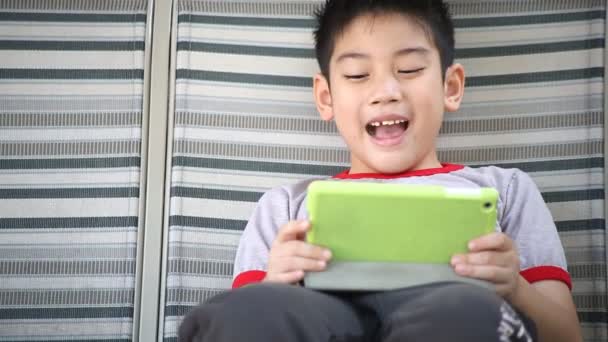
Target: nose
column 386, row 90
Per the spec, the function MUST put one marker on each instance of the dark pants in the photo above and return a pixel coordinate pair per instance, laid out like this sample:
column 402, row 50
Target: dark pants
column 435, row 313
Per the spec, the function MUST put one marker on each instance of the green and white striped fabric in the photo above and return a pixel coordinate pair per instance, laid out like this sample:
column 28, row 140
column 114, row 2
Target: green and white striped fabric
column 71, row 88
column 245, row 122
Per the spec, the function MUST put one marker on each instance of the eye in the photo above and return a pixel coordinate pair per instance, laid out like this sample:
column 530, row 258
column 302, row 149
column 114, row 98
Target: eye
column 411, row 71
column 355, row 77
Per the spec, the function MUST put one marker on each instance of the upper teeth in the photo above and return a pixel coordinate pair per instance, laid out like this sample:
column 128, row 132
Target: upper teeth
column 387, row 123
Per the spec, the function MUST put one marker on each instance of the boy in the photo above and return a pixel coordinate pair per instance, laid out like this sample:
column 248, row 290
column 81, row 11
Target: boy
column 387, row 76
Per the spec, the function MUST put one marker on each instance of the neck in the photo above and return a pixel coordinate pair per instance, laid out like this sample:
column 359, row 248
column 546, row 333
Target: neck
column 429, row 162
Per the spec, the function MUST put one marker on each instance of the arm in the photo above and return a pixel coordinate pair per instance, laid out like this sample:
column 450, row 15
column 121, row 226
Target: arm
column 291, row 257
column 548, row 303
column 251, row 261
column 272, row 247
column 530, row 240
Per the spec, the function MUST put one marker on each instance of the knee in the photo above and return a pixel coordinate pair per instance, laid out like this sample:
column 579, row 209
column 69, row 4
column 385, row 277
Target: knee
column 453, row 301
column 248, row 308
column 480, row 306
column 243, row 303
column 450, row 312
column 465, row 300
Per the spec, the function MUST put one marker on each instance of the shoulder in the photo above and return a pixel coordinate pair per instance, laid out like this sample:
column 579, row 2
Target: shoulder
column 288, row 191
column 287, row 198
column 513, row 185
column 500, row 178
column 492, row 172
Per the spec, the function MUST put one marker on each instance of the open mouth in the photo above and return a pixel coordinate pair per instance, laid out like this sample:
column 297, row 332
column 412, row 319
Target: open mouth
column 388, row 129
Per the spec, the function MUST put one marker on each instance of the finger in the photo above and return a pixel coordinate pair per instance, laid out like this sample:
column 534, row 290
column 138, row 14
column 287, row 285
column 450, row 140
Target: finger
column 458, row 259
column 288, row 277
column 305, row 250
column 502, row 290
column 292, row 231
column 493, row 274
column 485, row 258
column 290, row 264
column 493, row 241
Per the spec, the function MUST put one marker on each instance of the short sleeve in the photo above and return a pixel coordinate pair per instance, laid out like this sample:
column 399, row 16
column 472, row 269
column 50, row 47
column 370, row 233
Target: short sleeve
column 528, row 221
column 270, row 213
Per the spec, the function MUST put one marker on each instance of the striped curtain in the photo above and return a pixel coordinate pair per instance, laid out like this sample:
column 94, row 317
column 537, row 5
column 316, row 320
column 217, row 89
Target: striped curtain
column 245, row 122
column 71, row 87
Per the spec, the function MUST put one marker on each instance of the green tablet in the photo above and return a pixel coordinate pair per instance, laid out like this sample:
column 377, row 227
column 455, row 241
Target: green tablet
column 362, row 221
column 369, row 224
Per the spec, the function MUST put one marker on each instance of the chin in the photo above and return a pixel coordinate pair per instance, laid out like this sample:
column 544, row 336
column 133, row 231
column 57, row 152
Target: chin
column 382, row 162
column 391, row 167
column 394, row 170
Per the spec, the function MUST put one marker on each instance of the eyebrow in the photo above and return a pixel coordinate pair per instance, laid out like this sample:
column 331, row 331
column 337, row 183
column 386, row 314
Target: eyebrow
column 402, row 52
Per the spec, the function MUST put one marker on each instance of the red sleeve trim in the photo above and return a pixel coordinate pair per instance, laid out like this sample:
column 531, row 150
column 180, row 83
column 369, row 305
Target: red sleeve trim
column 539, row 273
column 247, row 278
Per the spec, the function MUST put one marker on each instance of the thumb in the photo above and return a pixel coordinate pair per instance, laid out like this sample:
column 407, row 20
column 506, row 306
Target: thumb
column 294, row 230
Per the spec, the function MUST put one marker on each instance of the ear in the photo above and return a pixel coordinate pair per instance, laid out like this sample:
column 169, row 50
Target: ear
column 323, row 97
column 453, row 87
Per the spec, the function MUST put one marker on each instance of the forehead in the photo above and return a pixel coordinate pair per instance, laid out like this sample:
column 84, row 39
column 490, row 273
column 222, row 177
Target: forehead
column 376, row 33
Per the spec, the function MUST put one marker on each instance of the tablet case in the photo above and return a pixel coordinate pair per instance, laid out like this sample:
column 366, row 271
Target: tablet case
column 386, row 236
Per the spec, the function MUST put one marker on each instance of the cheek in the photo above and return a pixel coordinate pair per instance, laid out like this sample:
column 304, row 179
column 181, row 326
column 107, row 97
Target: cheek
column 348, row 94
column 345, row 123
column 348, row 130
column 345, row 103
column 429, row 125
column 429, row 102
column 346, row 115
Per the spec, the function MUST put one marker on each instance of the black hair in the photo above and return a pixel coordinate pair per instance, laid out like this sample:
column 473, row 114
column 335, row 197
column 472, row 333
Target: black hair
column 335, row 15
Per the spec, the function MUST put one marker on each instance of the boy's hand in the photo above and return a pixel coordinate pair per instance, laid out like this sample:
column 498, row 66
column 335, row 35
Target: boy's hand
column 290, row 256
column 492, row 257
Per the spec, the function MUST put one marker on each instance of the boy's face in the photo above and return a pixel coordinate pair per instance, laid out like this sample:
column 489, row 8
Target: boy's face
column 387, row 94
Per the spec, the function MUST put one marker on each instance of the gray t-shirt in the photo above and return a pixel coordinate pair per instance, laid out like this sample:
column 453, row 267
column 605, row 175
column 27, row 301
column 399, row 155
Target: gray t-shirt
column 521, row 214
